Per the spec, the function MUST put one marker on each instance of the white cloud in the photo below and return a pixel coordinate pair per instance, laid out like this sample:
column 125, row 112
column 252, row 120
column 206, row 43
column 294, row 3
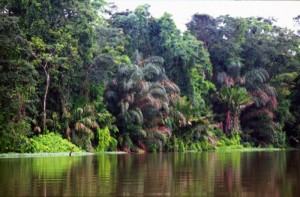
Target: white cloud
column 182, row 11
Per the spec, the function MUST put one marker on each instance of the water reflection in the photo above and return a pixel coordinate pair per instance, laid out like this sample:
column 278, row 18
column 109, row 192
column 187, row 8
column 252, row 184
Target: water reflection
column 166, row 174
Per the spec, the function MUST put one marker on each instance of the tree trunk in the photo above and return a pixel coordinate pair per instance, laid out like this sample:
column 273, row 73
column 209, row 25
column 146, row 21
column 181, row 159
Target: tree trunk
column 228, row 123
column 45, row 98
column 236, row 123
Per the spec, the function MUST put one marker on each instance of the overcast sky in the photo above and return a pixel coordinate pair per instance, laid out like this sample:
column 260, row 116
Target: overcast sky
column 182, row 10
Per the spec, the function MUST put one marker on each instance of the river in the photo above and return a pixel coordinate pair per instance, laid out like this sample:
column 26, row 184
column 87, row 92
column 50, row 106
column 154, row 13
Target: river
column 234, row 173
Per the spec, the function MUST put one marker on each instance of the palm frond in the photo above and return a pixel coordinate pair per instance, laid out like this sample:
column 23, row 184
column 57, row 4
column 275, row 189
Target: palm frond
column 124, row 119
column 165, row 130
column 258, row 75
column 125, row 85
column 260, row 98
column 170, row 87
column 259, row 112
column 80, row 127
column 146, row 98
column 151, row 113
column 136, row 117
column 269, row 90
column 137, row 73
column 154, row 60
column 159, row 93
column 130, row 98
column 89, row 123
column 174, row 99
column 165, row 107
column 161, row 136
column 141, row 86
column 273, row 103
column 124, row 106
column 152, row 72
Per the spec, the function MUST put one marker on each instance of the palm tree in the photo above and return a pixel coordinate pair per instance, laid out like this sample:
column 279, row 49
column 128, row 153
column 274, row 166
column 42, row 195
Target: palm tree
column 235, row 99
column 140, row 97
column 258, row 119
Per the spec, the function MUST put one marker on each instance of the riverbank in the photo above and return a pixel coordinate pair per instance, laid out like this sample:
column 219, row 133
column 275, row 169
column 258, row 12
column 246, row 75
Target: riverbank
column 64, row 154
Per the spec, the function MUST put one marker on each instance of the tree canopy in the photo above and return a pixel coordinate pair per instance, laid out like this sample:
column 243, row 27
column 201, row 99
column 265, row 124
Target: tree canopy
column 109, row 80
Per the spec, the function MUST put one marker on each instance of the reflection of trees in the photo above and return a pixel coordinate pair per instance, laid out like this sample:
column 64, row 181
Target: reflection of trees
column 291, row 179
column 35, row 176
column 262, row 171
column 228, row 169
column 161, row 174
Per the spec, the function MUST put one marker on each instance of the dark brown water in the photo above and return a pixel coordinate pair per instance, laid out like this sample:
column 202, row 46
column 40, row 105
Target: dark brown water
column 275, row 173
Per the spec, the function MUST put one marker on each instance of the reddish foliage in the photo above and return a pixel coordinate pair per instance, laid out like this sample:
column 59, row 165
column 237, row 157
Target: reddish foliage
column 259, row 112
column 263, row 97
column 142, row 145
column 127, row 150
column 229, row 81
column 274, row 102
column 165, row 130
column 219, row 125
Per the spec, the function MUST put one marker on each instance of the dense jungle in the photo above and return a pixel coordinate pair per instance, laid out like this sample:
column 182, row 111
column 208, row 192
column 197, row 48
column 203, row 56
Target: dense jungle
column 79, row 75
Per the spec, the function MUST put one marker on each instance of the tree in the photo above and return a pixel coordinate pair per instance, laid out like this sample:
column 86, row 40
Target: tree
column 18, row 81
column 249, row 52
column 235, row 99
column 140, row 96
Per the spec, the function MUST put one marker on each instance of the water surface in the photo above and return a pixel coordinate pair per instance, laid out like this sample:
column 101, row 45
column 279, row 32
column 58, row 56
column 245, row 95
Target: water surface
column 264, row 173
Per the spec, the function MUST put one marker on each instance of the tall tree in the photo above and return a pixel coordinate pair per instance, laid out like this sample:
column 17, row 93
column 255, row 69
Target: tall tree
column 186, row 61
column 141, row 97
column 249, row 52
column 18, row 82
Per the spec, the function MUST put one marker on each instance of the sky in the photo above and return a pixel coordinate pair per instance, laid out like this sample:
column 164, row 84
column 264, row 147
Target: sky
column 182, row 10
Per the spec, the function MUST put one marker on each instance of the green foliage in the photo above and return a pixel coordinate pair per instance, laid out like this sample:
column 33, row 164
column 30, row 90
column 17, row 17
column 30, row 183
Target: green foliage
column 140, row 99
column 64, row 68
column 225, row 143
column 153, row 147
column 105, row 140
column 279, row 139
column 186, row 61
column 12, row 143
column 51, row 143
column 292, row 126
column 18, row 80
column 252, row 53
column 179, row 144
column 284, row 83
column 206, row 146
column 234, row 98
column 176, row 144
column 196, row 146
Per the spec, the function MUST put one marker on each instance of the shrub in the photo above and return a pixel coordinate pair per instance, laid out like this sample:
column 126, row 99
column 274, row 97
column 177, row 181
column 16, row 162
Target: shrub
column 279, row 139
column 105, row 140
column 51, row 142
column 195, row 146
column 233, row 143
column 205, row 145
column 12, row 143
